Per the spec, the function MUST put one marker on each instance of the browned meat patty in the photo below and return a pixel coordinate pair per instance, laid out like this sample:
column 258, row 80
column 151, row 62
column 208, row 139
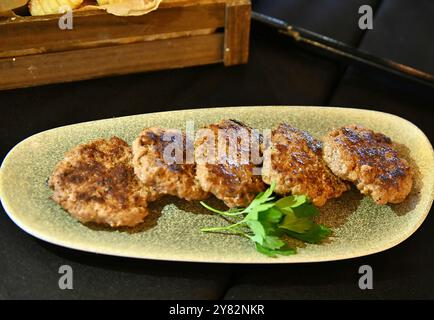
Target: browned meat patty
column 293, row 160
column 368, row 159
column 95, row 182
column 161, row 168
column 228, row 174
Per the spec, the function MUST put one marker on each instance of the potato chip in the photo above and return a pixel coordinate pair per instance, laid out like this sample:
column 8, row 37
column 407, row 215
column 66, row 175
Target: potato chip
column 44, row 7
column 128, row 7
column 8, row 5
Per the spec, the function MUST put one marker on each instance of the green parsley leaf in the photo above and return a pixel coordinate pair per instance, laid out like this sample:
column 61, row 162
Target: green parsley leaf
column 264, row 221
column 306, row 210
column 293, row 223
column 291, row 202
column 316, row 234
column 261, row 198
column 273, row 242
column 254, row 212
column 286, row 251
column 272, row 215
column 271, row 229
column 258, row 231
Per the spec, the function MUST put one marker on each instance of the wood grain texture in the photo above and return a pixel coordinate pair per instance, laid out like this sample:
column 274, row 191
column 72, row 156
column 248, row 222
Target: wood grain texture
column 115, row 60
column 237, row 32
column 44, row 36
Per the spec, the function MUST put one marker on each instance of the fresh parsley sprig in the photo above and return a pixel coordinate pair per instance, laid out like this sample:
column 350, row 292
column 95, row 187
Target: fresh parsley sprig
column 265, row 221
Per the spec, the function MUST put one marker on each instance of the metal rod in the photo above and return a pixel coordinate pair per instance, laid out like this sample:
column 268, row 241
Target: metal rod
column 344, row 51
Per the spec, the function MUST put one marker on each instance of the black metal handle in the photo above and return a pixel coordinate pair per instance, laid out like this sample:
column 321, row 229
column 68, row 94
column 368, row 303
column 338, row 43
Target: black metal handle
column 344, row 51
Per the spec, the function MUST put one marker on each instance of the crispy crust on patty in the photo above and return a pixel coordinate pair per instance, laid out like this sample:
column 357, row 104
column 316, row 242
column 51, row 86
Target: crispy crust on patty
column 294, row 161
column 370, row 160
column 230, row 178
column 95, row 182
column 170, row 176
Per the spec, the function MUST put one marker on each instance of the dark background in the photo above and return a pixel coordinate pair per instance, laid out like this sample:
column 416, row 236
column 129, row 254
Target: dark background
column 278, row 73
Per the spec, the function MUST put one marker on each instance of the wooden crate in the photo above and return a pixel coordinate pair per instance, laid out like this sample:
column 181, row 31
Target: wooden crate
column 181, row 33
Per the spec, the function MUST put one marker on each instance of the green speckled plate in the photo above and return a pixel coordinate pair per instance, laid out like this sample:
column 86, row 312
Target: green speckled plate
column 172, row 231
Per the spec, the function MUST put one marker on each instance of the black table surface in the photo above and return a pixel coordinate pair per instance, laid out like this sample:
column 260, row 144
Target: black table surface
column 278, row 73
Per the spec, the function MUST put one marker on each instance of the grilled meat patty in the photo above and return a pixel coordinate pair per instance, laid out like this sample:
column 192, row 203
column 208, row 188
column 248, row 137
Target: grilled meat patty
column 293, row 160
column 368, row 159
column 224, row 166
column 95, row 182
column 159, row 159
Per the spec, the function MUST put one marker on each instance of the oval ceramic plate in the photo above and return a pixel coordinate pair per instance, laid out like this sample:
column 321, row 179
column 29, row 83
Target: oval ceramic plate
column 172, row 232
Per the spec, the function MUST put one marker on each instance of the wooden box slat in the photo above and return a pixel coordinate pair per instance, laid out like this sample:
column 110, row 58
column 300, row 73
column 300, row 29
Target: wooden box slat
column 237, row 33
column 98, row 62
column 33, row 51
column 93, row 29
